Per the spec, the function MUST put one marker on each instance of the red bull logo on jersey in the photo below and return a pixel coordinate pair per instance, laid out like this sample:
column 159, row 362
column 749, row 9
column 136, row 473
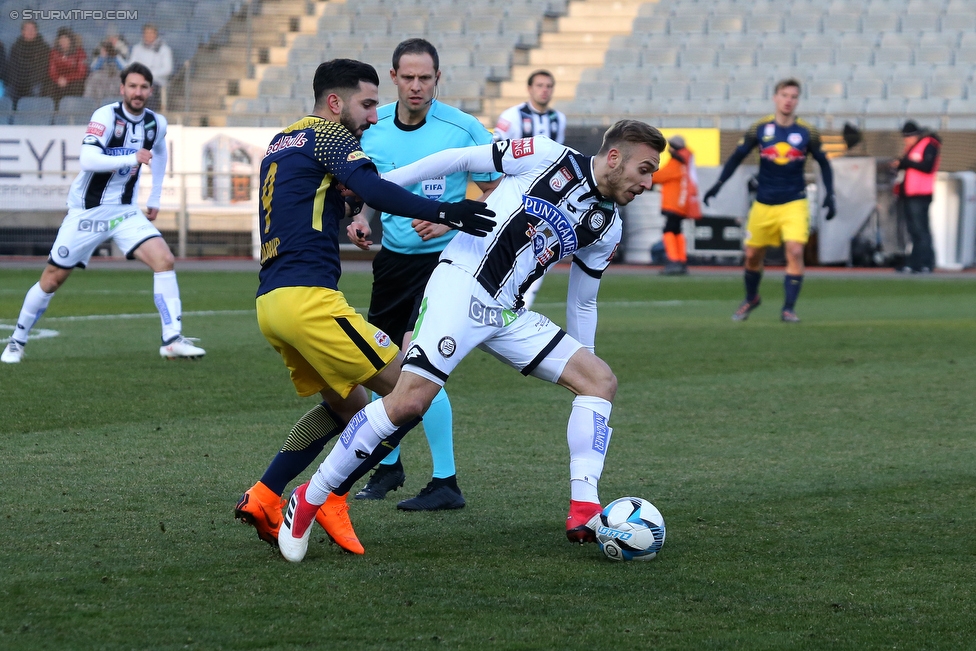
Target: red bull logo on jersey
column 286, row 141
column 782, row 153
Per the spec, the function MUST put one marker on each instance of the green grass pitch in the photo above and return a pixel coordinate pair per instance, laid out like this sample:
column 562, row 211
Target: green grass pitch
column 817, row 480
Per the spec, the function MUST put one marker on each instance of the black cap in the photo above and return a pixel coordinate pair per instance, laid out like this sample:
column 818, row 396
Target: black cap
column 910, row 128
column 677, row 142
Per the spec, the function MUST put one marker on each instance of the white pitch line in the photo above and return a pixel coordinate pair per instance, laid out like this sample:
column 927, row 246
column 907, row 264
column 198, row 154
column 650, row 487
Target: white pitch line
column 147, row 315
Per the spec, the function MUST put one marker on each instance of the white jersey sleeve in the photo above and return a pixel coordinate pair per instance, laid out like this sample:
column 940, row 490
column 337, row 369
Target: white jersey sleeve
column 509, row 124
column 94, row 156
column 157, row 165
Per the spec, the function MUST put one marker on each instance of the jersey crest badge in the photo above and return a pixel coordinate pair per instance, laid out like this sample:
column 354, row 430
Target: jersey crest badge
column 382, row 339
column 560, row 178
column 794, row 139
column 119, row 128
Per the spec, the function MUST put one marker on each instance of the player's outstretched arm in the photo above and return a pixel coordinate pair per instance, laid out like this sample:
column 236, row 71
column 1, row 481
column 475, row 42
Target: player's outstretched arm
column 468, row 216
column 93, row 159
column 748, row 142
column 477, row 159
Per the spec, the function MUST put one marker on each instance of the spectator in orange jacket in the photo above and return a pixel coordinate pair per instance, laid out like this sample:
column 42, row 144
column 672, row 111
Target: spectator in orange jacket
column 917, row 169
column 679, row 200
column 67, row 66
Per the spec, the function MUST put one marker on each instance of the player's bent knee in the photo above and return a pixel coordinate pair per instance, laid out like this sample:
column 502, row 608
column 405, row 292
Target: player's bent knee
column 588, row 375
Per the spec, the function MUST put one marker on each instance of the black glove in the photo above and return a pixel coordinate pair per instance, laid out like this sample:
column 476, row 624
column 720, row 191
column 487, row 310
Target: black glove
column 829, row 205
column 355, row 205
column 468, row 216
column 711, row 193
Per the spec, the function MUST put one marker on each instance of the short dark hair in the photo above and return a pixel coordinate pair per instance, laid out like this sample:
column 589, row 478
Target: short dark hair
column 139, row 69
column 544, row 73
column 416, row 46
column 787, row 83
column 633, row 132
column 342, row 74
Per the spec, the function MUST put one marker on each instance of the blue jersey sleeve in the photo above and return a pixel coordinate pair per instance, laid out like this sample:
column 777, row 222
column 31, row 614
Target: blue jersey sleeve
column 336, row 149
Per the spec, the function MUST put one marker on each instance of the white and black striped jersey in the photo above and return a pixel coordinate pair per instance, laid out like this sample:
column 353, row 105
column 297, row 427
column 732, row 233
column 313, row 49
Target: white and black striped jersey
column 109, row 172
column 547, row 207
column 523, row 121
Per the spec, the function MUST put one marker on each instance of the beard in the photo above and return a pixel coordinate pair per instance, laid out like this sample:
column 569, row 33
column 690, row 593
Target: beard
column 615, row 178
column 345, row 118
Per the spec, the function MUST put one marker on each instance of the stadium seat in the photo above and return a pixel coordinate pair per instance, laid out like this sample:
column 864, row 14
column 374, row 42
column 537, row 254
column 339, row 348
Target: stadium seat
column 915, row 23
column 482, row 24
column 806, row 56
column 300, row 58
column 6, row 110
column 844, row 106
column 249, row 105
column 825, row 88
column 725, row 24
column 853, row 55
column 627, row 91
column 587, row 90
column 687, row 24
column 880, row 22
column 926, row 106
column 889, row 106
column 275, row 88
column 932, row 55
column 747, row 88
column 73, row 104
column 699, row 56
column 650, row 26
column 801, row 22
column 736, row 56
column 706, row 90
column 369, row 24
column 865, row 88
column 290, row 106
column 962, row 21
column 767, row 56
column 445, row 24
column 947, row 88
column 886, row 56
column 34, row 110
column 764, row 23
column 841, row 22
column 669, row 90
column 906, row 88
column 959, row 106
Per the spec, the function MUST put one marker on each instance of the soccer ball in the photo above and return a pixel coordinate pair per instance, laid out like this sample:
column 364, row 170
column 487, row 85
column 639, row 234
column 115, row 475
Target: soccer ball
column 630, row 529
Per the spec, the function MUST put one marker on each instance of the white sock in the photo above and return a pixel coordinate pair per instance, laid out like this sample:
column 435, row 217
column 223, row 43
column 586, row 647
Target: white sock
column 35, row 304
column 363, row 433
column 588, row 435
column 166, row 295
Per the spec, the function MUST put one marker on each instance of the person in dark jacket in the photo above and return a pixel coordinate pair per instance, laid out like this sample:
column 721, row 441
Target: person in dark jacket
column 917, row 168
column 27, row 65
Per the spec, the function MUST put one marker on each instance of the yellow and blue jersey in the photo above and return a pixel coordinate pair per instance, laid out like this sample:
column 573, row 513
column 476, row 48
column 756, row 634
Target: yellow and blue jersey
column 300, row 206
column 392, row 144
column 783, row 153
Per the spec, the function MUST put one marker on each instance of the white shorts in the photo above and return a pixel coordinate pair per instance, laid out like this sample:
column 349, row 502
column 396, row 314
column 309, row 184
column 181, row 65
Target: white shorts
column 457, row 315
column 82, row 231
